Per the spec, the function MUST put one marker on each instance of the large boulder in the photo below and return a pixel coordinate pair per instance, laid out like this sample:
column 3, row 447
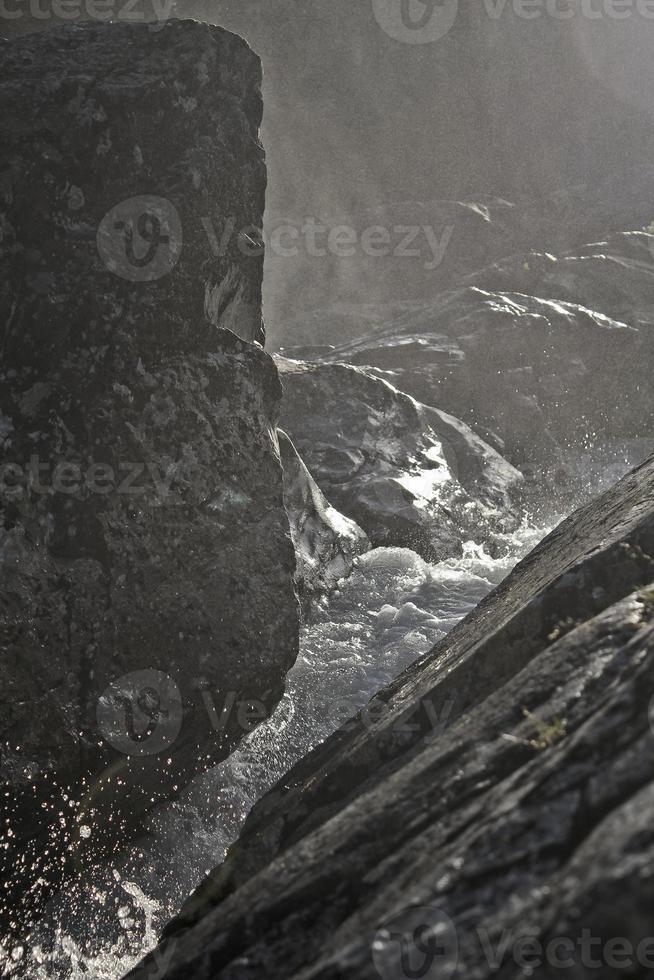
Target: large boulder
column 147, row 562
column 461, row 815
column 131, row 166
column 409, row 474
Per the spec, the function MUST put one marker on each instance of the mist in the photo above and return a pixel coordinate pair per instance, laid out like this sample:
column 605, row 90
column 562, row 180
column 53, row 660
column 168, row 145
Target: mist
column 502, row 106
column 326, row 486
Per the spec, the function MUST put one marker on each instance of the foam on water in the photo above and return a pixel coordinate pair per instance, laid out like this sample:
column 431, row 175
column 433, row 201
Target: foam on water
column 392, row 609
column 69, row 959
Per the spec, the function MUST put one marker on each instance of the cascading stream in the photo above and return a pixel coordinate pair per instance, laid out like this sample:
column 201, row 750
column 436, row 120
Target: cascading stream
column 390, row 611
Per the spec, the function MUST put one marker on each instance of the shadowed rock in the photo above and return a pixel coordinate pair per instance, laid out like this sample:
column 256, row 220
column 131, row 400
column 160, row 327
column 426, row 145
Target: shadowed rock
column 410, row 475
column 132, row 180
column 326, row 543
column 146, row 557
column 523, row 370
column 477, row 823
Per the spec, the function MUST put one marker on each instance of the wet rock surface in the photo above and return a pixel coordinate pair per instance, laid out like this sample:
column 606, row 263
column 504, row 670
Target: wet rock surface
column 472, row 799
column 326, row 543
column 517, row 349
column 410, row 251
column 410, row 475
column 157, row 542
column 146, row 553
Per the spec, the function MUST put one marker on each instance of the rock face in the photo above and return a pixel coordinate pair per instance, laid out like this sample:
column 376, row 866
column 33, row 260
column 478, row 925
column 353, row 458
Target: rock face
column 147, row 563
column 545, row 350
column 613, row 274
column 138, row 154
column 522, row 368
column 408, row 474
column 326, row 543
column 469, row 803
column 407, row 252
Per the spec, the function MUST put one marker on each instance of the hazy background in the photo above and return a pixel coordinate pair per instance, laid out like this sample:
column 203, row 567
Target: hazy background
column 357, row 123
column 364, row 129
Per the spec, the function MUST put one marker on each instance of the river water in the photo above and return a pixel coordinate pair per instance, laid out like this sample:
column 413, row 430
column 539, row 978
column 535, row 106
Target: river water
column 387, row 613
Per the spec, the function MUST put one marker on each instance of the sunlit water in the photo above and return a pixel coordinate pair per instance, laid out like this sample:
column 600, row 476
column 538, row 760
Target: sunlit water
column 392, row 609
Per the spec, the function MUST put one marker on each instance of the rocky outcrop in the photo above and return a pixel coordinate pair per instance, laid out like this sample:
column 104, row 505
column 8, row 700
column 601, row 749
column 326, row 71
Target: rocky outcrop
column 522, row 369
column 131, row 164
column 147, row 565
column 517, row 349
column 614, row 274
column 326, row 543
column 410, row 475
column 396, row 257
column 456, row 823
column 405, row 253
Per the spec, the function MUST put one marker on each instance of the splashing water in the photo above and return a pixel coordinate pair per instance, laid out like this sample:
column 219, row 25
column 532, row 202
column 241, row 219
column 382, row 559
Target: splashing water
column 62, row 955
column 391, row 610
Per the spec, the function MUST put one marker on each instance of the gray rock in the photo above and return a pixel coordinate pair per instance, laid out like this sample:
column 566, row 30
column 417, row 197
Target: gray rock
column 408, row 474
column 501, row 789
column 146, row 554
column 130, row 165
column 326, row 543
column 613, row 273
column 520, row 368
column 430, row 246
column 186, row 571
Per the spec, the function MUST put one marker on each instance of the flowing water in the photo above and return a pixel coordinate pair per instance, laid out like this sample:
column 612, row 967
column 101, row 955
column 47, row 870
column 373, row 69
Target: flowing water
column 391, row 610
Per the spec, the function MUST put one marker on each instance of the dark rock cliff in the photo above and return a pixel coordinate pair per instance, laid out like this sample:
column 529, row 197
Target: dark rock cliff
column 132, row 180
column 487, row 808
column 147, row 564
